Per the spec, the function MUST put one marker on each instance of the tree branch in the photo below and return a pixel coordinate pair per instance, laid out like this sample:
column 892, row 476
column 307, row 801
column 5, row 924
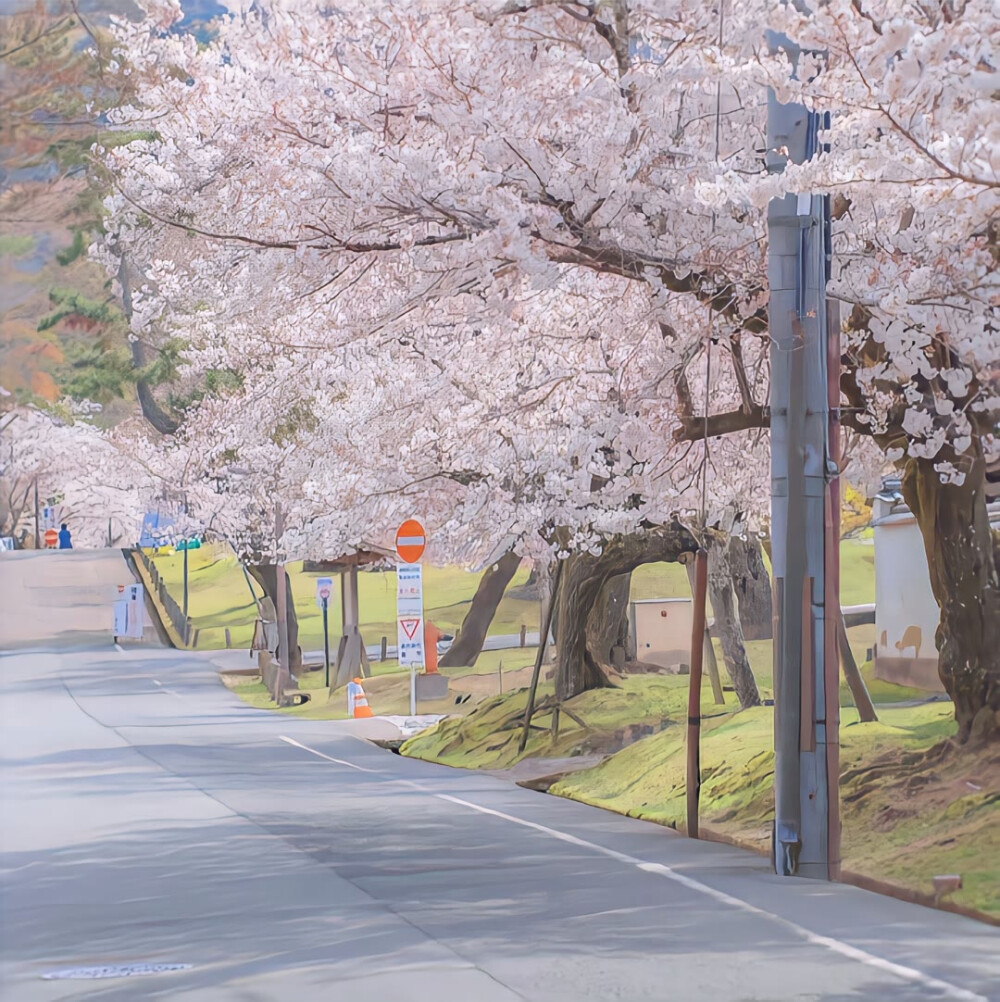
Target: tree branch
column 631, row 264
column 693, row 428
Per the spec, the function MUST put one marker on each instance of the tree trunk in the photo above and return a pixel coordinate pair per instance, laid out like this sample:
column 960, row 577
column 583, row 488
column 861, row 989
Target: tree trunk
column 727, row 621
column 965, row 580
column 753, row 588
column 583, row 577
column 607, row 624
column 151, row 409
column 266, row 576
column 581, row 584
column 547, row 598
column 469, row 643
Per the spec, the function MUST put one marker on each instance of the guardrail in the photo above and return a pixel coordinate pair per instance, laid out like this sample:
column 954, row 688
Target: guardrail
column 180, row 622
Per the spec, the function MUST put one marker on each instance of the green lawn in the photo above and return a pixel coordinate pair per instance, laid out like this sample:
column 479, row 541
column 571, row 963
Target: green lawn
column 220, row 597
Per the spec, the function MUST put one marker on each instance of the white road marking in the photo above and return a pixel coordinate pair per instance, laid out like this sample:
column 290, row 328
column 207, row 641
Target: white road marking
column 337, row 761
column 833, row 945
column 170, row 692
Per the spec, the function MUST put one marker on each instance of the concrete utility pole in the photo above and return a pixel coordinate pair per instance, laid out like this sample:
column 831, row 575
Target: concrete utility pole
column 804, row 505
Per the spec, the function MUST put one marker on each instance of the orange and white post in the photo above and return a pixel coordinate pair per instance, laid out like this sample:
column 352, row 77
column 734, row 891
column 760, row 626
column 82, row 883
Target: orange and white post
column 357, row 701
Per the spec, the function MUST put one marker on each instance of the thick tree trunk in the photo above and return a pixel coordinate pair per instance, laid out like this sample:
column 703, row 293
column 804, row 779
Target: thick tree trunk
column 469, row 643
column 727, row 621
column 752, row 584
column 266, row 576
column 583, row 577
column 579, row 589
column 965, row 580
column 547, row 599
column 152, row 411
column 607, row 624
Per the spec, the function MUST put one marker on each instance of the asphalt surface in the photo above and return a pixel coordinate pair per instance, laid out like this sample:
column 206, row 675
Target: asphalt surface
column 149, row 816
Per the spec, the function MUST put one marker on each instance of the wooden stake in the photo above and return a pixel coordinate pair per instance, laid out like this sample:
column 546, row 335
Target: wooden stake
column 711, row 662
column 542, row 641
column 855, row 680
column 694, row 693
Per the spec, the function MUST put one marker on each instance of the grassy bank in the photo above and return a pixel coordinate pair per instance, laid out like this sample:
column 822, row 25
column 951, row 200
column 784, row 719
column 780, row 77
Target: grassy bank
column 388, row 690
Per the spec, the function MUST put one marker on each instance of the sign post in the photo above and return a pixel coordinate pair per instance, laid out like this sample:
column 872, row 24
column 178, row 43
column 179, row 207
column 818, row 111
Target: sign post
column 410, row 542
column 129, row 620
column 324, row 589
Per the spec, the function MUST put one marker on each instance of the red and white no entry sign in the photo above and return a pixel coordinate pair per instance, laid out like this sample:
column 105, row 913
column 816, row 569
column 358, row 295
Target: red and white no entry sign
column 410, row 541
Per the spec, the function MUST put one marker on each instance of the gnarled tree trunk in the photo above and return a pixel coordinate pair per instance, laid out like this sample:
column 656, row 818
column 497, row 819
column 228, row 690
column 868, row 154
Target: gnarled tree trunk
column 965, row 579
column 607, row 624
column 469, row 643
column 752, row 584
column 727, row 620
column 266, row 575
column 583, row 577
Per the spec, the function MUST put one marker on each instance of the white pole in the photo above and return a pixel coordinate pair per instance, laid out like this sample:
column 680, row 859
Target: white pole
column 413, row 690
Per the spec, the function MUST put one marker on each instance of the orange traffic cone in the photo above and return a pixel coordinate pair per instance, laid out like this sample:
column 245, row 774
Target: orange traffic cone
column 357, row 701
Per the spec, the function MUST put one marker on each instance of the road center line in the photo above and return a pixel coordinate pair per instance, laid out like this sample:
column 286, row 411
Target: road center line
column 837, row 946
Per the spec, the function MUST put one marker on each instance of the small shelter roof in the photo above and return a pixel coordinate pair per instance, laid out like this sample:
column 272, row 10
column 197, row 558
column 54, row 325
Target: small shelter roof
column 367, row 555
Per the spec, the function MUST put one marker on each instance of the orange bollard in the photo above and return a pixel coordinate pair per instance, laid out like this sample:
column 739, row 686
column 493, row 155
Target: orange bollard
column 431, row 637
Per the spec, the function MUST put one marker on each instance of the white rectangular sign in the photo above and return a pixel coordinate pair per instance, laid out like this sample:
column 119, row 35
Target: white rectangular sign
column 135, row 617
column 120, row 625
column 324, row 590
column 410, row 614
column 129, row 612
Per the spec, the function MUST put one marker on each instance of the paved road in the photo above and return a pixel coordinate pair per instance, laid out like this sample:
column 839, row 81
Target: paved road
column 150, row 816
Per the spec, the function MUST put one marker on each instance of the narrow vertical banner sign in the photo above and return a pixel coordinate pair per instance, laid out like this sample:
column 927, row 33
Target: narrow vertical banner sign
column 136, row 620
column 410, row 614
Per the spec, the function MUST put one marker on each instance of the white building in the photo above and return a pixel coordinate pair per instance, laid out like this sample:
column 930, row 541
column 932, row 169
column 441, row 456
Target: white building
column 906, row 614
column 660, row 630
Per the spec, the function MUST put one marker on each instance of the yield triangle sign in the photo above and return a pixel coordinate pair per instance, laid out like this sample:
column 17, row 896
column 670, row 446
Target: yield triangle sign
column 409, row 626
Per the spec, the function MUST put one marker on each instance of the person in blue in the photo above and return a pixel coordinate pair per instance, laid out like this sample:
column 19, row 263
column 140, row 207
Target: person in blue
column 65, row 539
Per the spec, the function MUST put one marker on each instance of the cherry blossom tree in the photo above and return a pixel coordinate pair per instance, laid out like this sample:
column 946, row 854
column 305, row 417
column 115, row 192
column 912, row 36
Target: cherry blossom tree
column 77, row 470
column 359, row 168
column 498, row 448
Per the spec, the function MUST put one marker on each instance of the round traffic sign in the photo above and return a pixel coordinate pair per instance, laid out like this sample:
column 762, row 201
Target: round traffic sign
column 410, row 541
column 51, row 538
column 324, row 593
